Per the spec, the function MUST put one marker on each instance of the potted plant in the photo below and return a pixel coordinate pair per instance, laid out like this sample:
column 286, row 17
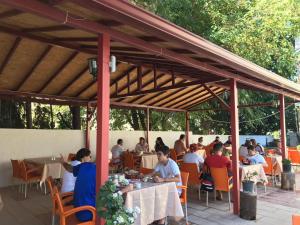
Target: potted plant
column 286, row 165
column 248, row 182
column 110, row 206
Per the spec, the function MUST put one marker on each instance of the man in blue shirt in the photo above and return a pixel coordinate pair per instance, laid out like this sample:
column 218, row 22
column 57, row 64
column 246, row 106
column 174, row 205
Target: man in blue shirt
column 85, row 186
column 254, row 157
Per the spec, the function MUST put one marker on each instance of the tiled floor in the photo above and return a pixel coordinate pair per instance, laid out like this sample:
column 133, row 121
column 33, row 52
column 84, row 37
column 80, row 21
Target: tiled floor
column 273, row 208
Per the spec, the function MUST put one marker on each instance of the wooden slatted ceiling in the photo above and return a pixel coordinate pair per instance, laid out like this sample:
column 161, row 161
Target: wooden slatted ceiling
column 53, row 70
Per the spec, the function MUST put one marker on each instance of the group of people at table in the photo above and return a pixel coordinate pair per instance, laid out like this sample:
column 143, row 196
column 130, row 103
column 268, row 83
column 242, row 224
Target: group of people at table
column 80, row 175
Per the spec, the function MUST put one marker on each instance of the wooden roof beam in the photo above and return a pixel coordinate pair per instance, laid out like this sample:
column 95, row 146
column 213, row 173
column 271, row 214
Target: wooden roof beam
column 192, row 103
column 159, row 89
column 57, row 72
column 49, row 41
column 157, row 94
column 176, row 97
column 76, row 78
column 10, row 53
column 35, row 65
column 10, row 13
column 222, row 102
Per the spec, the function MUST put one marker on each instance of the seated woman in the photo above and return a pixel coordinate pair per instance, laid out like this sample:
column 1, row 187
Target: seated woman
column 142, row 146
column 158, row 144
column 193, row 157
column 68, row 182
column 254, row 157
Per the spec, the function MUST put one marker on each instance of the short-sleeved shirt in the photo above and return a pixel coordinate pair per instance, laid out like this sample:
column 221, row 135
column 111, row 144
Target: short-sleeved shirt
column 69, row 180
column 260, row 149
column 85, row 188
column 193, row 157
column 243, row 151
column 141, row 148
column 117, row 151
column 218, row 161
column 179, row 147
column 169, row 171
column 257, row 159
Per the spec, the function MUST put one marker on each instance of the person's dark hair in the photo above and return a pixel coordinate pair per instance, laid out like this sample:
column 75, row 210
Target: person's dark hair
column 159, row 144
column 83, row 152
column 218, row 147
column 253, row 141
column 217, row 137
column 251, row 148
column 247, row 143
column 120, row 141
column 193, row 147
column 182, row 137
column 142, row 138
column 200, row 139
column 164, row 149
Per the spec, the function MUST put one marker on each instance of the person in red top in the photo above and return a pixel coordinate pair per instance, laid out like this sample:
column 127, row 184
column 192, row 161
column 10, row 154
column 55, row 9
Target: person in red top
column 217, row 160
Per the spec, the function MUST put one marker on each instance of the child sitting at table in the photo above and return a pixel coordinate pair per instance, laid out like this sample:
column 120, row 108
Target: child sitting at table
column 254, row 157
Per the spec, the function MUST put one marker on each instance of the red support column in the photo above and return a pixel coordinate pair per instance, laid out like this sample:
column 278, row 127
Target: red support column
column 282, row 126
column 103, row 106
column 187, row 129
column 88, row 126
column 234, row 119
column 148, row 126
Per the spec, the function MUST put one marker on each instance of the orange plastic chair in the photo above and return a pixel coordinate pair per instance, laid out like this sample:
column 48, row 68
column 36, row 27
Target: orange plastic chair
column 294, row 156
column 194, row 174
column 292, row 148
column 208, row 149
column 271, row 151
column 241, row 158
column 53, row 190
column 183, row 196
column 173, row 155
column 29, row 175
column 71, row 157
column 270, row 169
column 128, row 160
column 221, row 181
column 16, row 171
column 67, row 216
column 145, row 171
column 296, row 219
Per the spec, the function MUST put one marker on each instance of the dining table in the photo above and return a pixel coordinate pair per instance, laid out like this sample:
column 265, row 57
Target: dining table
column 258, row 168
column 156, row 201
column 51, row 166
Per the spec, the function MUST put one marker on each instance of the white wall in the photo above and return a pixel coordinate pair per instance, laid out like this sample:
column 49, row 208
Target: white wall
column 23, row 143
column 27, row 143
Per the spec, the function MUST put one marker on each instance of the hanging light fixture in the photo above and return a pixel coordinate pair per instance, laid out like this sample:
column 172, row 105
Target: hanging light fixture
column 93, row 65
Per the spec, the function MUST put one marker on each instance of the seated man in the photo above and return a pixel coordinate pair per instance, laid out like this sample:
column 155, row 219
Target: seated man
column 217, row 160
column 193, row 157
column 117, row 151
column 179, row 145
column 85, row 185
column 229, row 141
column 68, row 181
column 142, row 146
column 200, row 143
column 243, row 151
column 254, row 157
column 167, row 169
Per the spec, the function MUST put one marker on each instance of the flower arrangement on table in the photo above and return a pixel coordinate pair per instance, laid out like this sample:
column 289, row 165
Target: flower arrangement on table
column 110, row 205
column 250, row 176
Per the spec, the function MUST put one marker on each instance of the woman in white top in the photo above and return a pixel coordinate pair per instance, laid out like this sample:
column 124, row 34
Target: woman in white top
column 69, row 180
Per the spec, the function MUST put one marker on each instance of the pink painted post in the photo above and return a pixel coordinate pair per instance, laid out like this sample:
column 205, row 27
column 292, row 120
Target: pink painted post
column 88, row 126
column 234, row 119
column 282, row 126
column 187, row 129
column 102, row 112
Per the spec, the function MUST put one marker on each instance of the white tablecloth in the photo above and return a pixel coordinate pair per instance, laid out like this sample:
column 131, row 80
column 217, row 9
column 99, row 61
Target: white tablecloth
column 156, row 201
column 277, row 162
column 149, row 161
column 261, row 177
column 50, row 167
